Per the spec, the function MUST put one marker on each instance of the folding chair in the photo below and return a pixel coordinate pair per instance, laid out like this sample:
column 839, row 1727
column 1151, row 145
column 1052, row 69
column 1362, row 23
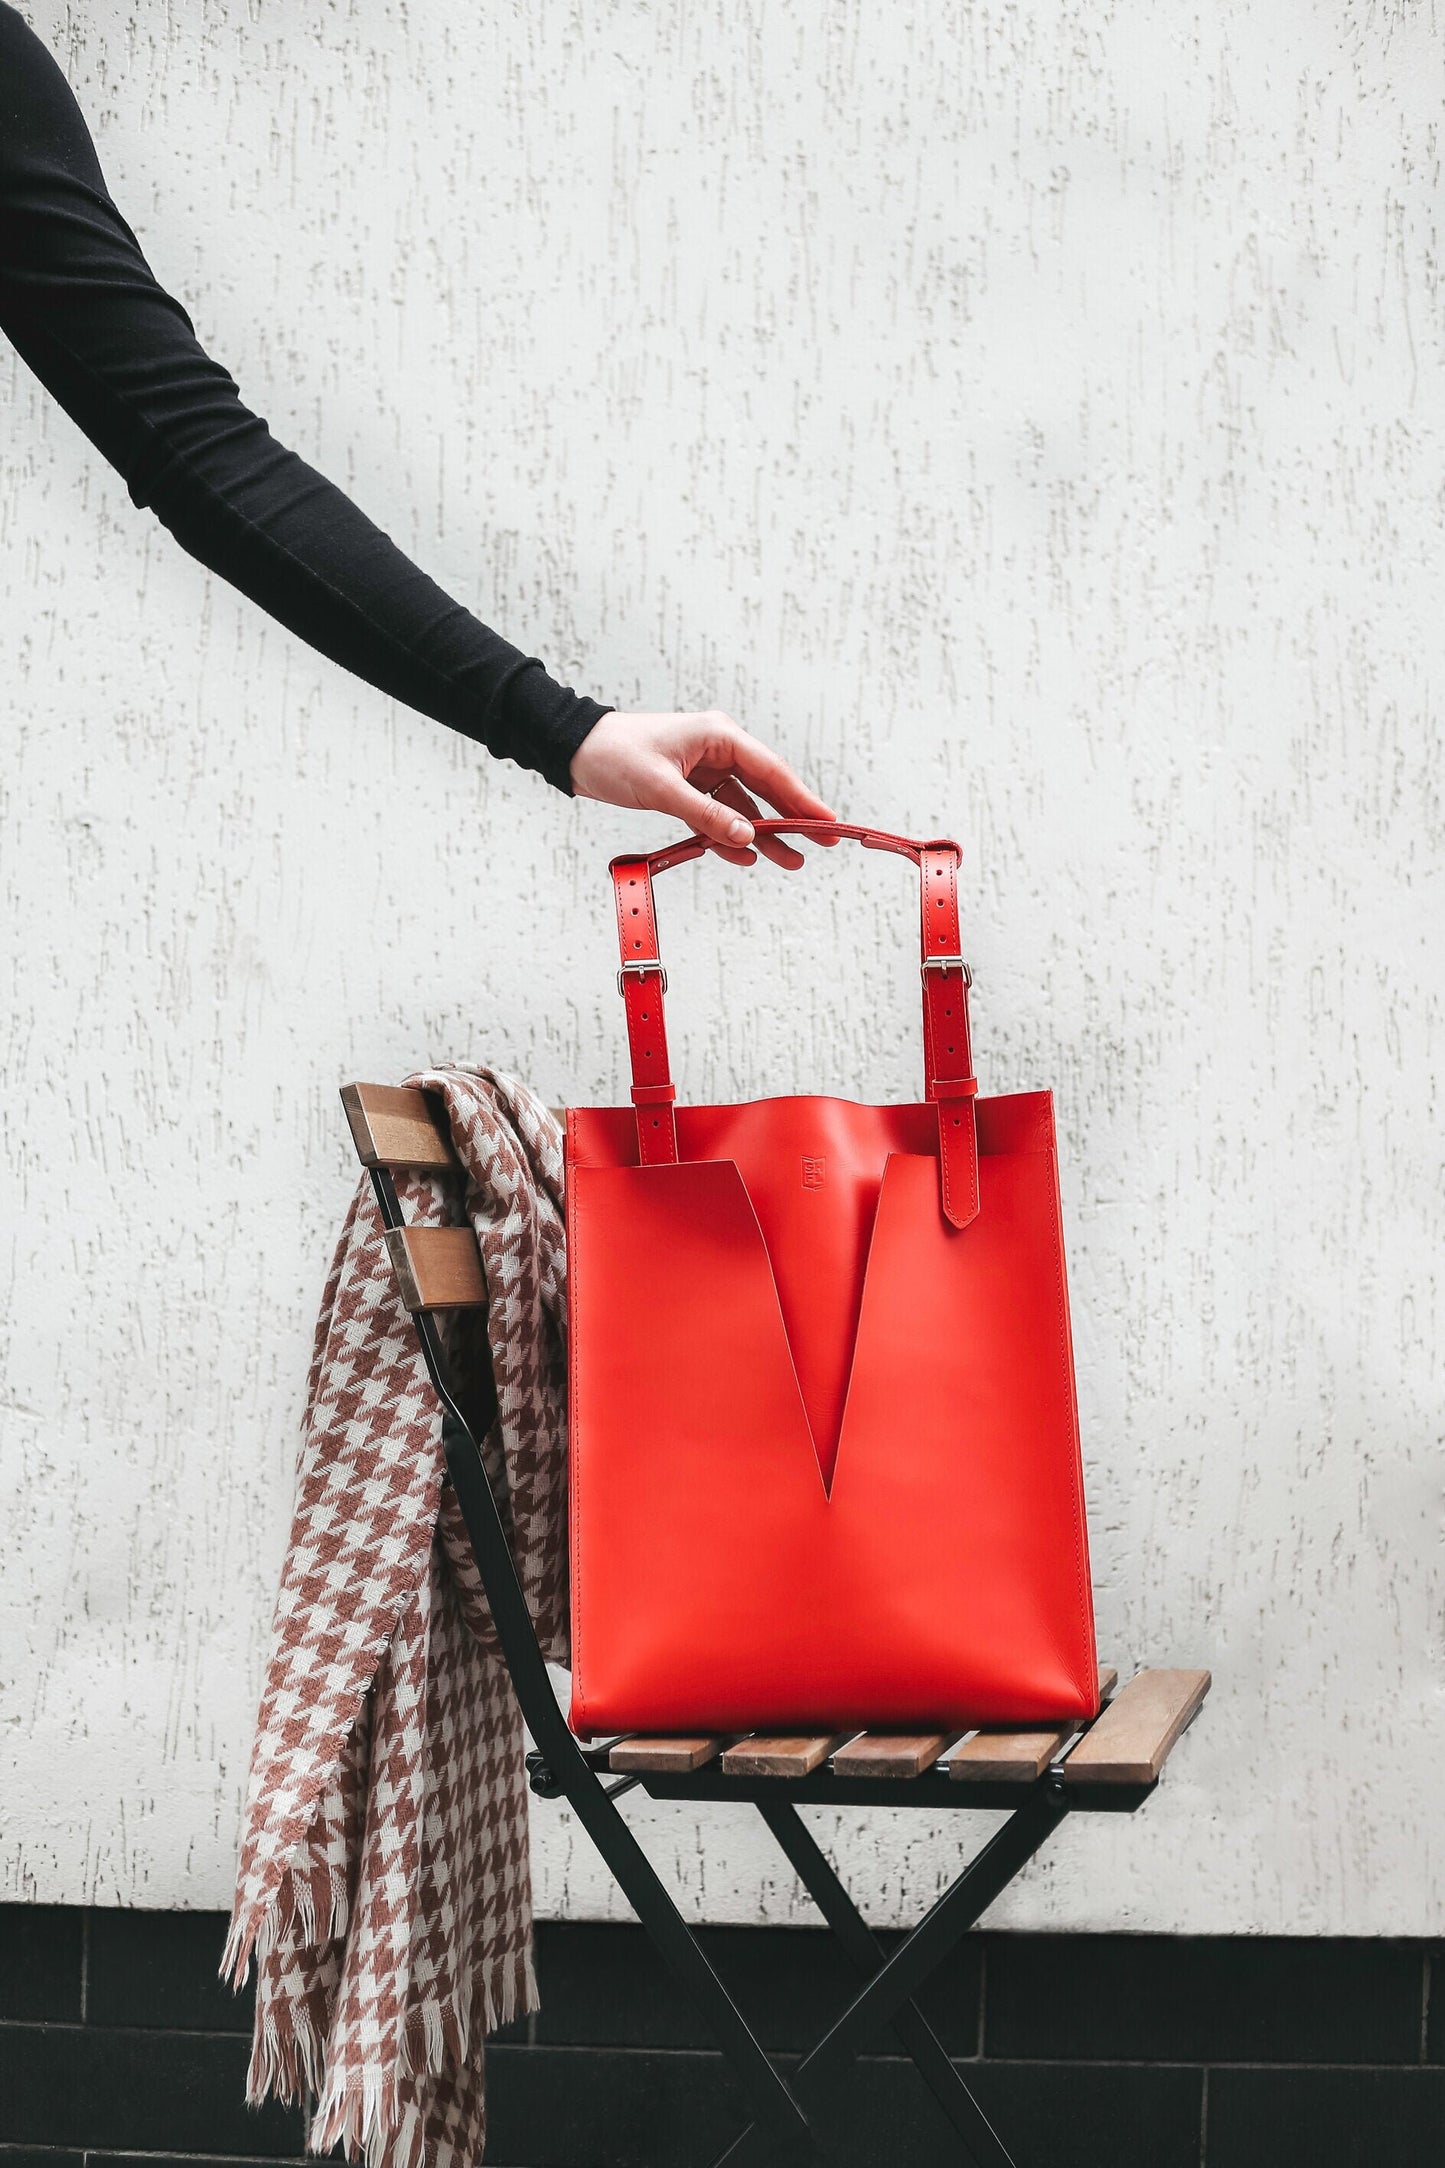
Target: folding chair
column 1037, row 1777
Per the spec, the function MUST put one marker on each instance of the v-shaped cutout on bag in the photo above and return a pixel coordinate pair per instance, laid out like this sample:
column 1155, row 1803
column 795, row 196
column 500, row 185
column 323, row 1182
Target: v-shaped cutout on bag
column 815, row 1215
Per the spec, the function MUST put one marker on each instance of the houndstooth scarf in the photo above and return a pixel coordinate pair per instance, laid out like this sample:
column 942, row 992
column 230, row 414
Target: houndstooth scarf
column 383, row 1881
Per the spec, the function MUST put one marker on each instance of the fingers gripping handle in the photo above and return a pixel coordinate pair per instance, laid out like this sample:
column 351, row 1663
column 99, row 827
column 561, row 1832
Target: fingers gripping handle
column 947, row 1051
column 872, row 839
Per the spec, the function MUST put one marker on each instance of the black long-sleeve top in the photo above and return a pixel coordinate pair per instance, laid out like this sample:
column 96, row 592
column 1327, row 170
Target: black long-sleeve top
column 83, row 308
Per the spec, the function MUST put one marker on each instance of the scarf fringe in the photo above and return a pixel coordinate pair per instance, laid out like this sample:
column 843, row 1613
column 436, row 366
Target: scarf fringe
column 359, row 2110
column 249, row 1937
column 235, row 1969
column 325, row 1886
column 287, row 2059
column 518, row 1984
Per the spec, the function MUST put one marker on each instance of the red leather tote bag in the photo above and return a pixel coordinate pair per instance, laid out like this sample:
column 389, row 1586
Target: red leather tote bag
column 824, row 1446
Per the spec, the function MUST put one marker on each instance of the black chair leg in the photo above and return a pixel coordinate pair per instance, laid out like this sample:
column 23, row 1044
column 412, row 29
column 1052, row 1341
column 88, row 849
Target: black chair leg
column 563, row 1768
column 767, row 2096
column 816, row 1872
column 895, row 1981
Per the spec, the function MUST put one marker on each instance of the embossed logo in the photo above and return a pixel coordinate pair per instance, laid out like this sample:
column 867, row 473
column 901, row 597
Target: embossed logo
column 813, row 1172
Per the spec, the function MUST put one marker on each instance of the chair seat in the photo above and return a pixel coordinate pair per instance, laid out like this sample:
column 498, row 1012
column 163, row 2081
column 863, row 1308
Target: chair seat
column 1126, row 1744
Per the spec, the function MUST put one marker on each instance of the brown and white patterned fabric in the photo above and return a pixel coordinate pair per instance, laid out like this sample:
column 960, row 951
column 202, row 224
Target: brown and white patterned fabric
column 383, row 1884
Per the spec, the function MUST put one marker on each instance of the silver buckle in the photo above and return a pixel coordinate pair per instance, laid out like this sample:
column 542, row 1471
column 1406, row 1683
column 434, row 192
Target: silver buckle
column 640, row 969
column 945, row 963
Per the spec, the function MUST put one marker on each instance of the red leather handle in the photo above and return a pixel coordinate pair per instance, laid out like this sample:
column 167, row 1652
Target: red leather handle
column 872, row 839
column 948, row 1058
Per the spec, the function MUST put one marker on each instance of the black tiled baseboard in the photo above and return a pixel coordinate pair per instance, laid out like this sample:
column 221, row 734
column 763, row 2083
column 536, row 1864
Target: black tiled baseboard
column 603, row 1987
column 161, row 1969
column 42, row 1962
column 597, row 2108
column 133, row 2091
column 119, row 2048
column 1204, row 1999
column 1327, row 2118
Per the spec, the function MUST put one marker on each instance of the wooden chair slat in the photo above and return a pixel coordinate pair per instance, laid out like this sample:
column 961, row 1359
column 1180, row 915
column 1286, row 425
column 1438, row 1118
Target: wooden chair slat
column 890, row 1753
column 438, row 1268
column 1007, row 1757
column 398, row 1126
column 1018, row 1757
column 1130, row 1742
column 668, row 1756
column 761, row 1756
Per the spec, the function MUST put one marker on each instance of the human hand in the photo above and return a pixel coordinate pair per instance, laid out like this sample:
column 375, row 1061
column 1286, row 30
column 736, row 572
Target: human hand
column 701, row 767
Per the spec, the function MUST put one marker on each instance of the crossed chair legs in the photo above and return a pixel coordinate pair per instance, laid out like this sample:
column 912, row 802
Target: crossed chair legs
column 781, row 2129
column 891, row 1982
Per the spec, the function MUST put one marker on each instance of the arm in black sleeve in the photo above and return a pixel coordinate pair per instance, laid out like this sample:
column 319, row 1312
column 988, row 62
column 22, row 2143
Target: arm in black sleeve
column 82, row 307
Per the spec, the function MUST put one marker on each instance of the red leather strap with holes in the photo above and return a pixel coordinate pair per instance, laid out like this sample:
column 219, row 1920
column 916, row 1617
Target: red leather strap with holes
column 948, row 1059
column 947, row 1051
column 641, row 978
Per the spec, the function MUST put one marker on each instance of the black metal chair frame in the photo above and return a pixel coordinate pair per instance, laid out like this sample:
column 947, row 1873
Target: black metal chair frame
column 560, row 1766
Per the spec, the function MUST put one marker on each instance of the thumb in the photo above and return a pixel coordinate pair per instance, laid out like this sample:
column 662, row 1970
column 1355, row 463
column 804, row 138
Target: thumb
column 711, row 819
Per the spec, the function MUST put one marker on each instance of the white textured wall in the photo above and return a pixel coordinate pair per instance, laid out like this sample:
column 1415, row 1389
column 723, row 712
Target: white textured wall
column 1031, row 417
